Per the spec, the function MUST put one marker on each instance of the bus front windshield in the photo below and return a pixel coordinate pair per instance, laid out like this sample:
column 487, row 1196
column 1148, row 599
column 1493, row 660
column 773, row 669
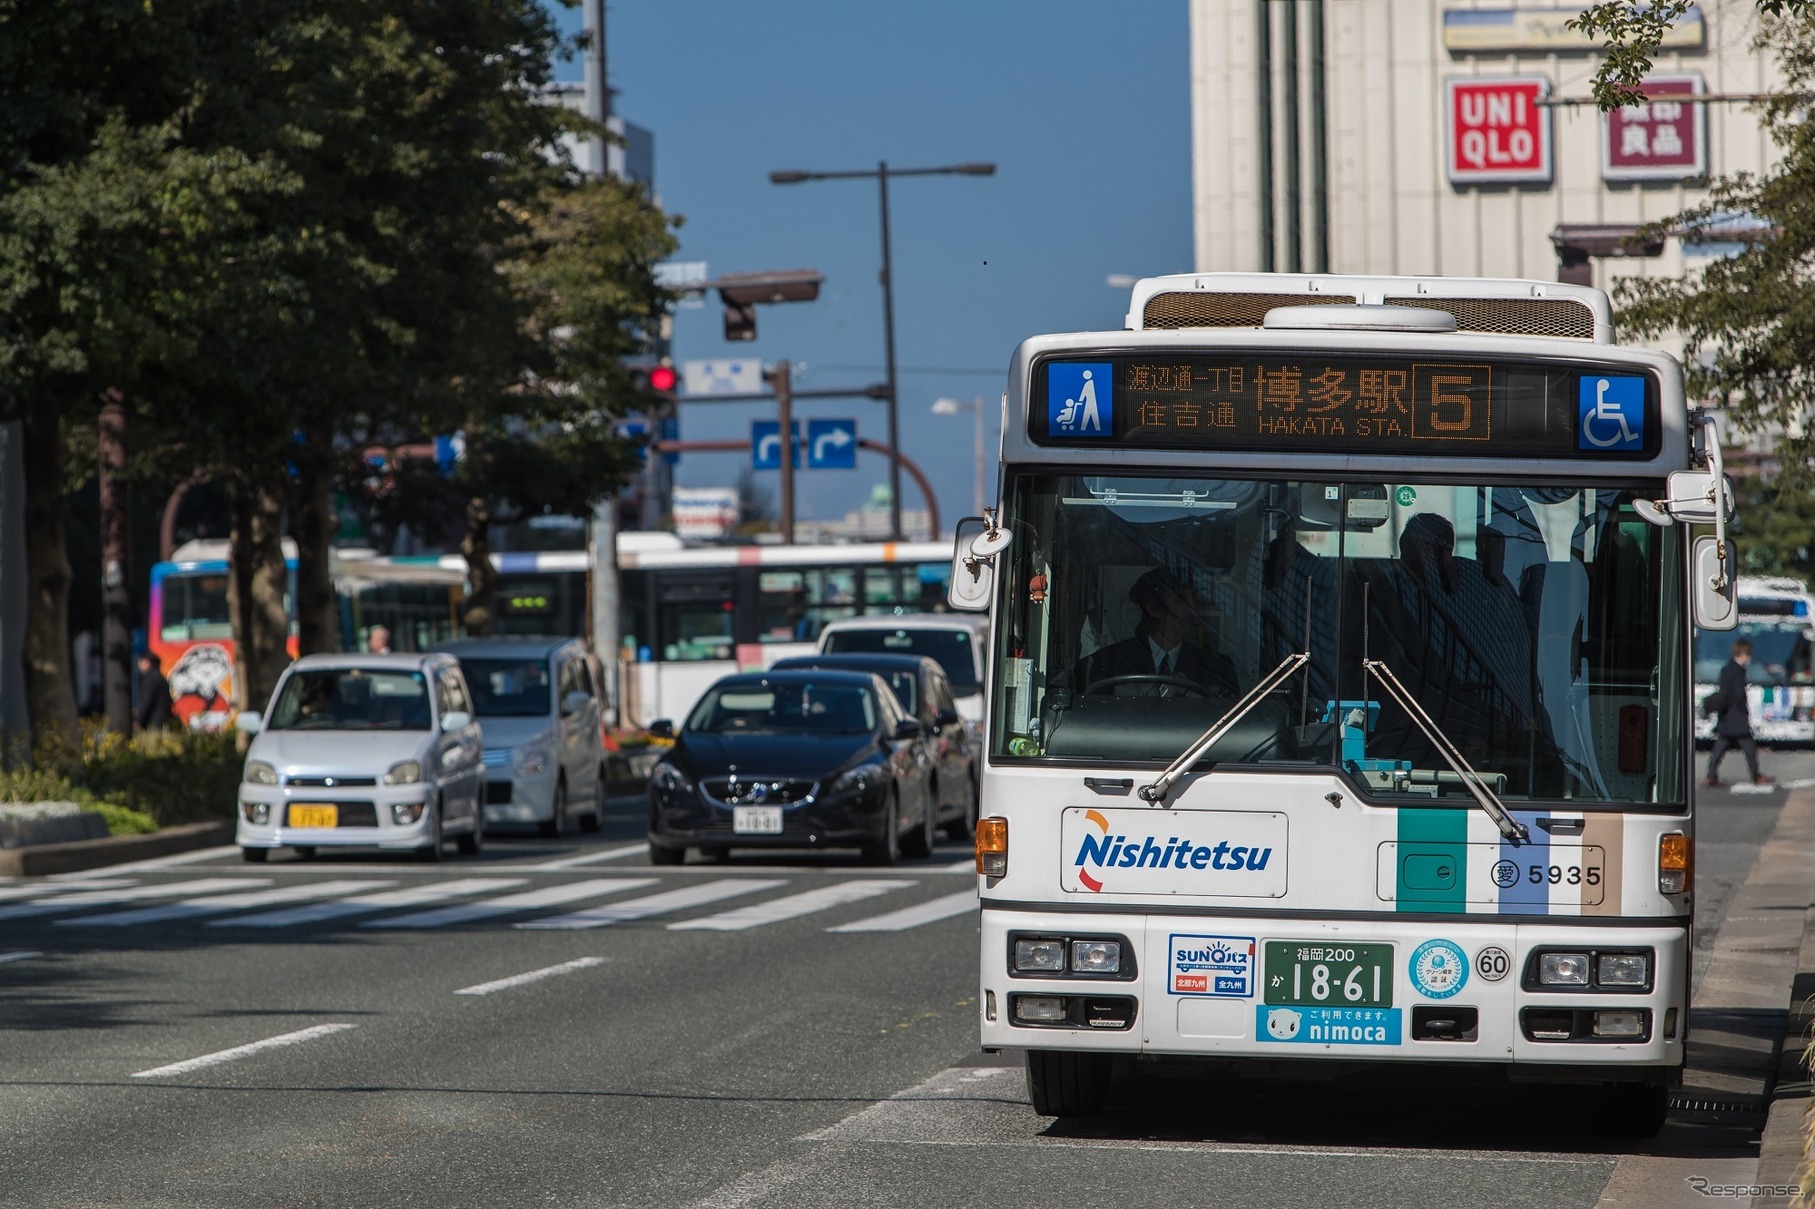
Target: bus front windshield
column 1781, row 652
column 1539, row 627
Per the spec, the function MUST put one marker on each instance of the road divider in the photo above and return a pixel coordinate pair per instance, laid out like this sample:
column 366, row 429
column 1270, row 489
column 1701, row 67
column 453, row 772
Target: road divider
column 241, row 1051
column 517, row 980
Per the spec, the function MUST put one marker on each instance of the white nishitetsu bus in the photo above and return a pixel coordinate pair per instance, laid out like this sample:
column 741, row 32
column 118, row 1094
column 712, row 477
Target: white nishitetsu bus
column 1340, row 704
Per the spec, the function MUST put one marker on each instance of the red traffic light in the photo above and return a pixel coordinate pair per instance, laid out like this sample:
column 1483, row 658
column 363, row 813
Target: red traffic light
column 662, row 379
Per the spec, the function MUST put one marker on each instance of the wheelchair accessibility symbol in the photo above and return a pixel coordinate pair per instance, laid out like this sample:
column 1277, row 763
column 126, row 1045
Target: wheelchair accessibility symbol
column 1612, row 412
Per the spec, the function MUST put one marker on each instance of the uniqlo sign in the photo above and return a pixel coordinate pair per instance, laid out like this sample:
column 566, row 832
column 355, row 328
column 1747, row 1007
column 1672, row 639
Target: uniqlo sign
column 1666, row 138
column 1499, row 130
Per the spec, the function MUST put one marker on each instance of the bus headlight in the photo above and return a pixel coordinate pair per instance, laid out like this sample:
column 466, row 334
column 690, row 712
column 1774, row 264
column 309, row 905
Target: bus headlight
column 1623, row 970
column 1039, row 956
column 260, row 773
column 1096, row 956
column 1563, row 969
column 1619, row 1024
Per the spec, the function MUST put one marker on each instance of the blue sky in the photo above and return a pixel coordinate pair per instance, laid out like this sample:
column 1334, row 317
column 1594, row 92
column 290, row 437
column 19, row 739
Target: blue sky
column 1083, row 107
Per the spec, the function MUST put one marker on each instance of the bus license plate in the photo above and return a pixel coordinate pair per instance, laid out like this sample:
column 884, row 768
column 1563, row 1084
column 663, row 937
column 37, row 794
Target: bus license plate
column 756, row 820
column 1306, row 973
column 314, row 816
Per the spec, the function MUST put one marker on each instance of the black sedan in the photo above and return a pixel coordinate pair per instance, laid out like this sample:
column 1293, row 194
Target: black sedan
column 807, row 759
column 924, row 693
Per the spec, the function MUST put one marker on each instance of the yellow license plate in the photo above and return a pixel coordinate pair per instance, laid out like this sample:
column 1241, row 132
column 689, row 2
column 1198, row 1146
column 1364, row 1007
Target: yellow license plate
column 314, row 816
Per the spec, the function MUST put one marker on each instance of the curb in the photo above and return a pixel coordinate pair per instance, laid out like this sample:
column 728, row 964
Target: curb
column 78, row 855
column 1781, row 1156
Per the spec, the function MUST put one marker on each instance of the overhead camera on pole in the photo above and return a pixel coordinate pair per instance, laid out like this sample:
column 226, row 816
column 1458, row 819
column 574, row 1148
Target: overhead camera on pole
column 742, row 292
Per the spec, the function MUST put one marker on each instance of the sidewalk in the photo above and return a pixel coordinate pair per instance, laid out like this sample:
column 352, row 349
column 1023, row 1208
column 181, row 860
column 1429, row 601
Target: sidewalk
column 1748, row 1025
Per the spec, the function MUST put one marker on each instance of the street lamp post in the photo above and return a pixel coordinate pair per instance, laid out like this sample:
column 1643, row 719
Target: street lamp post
column 952, row 407
column 882, row 172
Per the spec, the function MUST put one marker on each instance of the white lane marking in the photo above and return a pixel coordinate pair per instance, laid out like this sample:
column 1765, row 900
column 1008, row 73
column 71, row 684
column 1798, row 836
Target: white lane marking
column 107, row 898
column 913, row 917
column 517, row 980
column 180, row 858
column 20, row 955
column 220, row 904
column 488, row 908
column 8, row 893
column 240, row 1051
column 790, row 907
column 367, row 904
column 593, row 858
column 655, row 904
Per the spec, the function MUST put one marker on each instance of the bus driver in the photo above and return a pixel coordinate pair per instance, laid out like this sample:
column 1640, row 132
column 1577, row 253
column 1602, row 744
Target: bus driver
column 1158, row 658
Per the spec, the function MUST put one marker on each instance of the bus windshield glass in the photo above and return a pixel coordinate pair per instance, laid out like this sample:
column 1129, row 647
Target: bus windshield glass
column 1537, row 625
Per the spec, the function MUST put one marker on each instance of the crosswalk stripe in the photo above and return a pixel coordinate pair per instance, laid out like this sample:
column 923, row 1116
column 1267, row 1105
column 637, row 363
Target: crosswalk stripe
column 790, row 907
column 220, row 904
column 367, row 904
column 913, row 917
column 489, row 908
column 107, row 898
column 9, row 893
column 593, row 858
column 654, row 904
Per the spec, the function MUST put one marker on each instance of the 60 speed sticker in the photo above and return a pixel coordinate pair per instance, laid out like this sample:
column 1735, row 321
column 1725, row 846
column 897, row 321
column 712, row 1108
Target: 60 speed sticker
column 1439, row 968
column 1493, row 963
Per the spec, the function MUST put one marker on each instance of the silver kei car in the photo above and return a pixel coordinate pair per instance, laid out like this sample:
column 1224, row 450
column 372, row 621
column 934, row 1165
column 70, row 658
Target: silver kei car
column 538, row 704
column 360, row 751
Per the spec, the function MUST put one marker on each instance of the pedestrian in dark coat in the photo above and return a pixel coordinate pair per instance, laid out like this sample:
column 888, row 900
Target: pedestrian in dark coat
column 154, row 695
column 1733, row 724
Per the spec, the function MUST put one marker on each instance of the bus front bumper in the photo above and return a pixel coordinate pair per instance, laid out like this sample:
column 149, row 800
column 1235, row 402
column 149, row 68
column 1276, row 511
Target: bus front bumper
column 1455, row 991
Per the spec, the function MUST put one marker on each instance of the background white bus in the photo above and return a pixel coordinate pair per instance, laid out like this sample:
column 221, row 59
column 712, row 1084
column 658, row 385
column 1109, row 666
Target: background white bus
column 1777, row 615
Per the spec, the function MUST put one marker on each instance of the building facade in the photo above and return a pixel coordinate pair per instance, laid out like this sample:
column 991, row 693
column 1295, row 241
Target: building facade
column 1460, row 138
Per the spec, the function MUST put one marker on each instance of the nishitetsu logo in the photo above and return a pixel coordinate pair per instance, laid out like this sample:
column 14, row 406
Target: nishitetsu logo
column 1112, row 851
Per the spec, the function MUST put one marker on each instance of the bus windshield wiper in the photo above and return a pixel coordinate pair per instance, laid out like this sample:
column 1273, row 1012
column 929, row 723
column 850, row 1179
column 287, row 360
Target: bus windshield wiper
column 1477, row 787
column 1157, row 791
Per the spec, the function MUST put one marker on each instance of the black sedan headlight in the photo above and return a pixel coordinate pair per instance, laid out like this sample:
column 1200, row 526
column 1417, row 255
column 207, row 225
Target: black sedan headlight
column 856, row 782
column 668, row 779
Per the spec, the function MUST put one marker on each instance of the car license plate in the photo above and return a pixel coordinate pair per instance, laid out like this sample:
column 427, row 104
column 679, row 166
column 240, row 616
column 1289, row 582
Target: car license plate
column 1316, row 973
column 756, row 820
column 314, row 816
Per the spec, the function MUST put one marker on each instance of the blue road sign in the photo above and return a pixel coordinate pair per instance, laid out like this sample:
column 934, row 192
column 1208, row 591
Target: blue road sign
column 831, row 444
column 765, row 444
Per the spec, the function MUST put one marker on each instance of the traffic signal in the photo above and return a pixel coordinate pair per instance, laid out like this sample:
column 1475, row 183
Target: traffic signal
column 656, row 379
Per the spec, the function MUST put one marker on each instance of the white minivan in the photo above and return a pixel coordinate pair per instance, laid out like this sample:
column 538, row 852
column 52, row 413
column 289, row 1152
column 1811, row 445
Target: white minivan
column 957, row 641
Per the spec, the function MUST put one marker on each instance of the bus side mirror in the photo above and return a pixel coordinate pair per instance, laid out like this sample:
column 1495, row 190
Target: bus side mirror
column 1713, row 585
column 975, row 544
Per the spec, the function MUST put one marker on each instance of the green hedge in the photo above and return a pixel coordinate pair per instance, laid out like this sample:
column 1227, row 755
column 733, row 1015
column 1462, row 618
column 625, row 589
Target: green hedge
column 41, row 785
column 172, row 776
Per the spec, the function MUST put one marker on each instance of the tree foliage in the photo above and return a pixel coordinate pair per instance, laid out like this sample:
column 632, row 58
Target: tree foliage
column 1748, row 320
column 1635, row 29
column 288, row 230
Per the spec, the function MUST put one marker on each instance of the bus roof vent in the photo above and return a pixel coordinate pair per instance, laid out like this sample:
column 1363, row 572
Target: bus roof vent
column 1360, row 318
column 1486, row 305
column 1195, row 309
column 1565, row 318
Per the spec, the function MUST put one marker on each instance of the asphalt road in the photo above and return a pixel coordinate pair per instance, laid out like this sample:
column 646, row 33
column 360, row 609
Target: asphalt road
column 558, row 1023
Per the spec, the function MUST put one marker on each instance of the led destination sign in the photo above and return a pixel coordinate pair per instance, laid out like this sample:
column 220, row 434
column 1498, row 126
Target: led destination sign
column 1315, row 403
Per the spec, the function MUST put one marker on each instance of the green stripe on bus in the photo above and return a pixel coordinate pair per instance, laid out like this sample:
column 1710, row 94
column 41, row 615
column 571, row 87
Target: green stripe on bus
column 1433, row 860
